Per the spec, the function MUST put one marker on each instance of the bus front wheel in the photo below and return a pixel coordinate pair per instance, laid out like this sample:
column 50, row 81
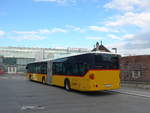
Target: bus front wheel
column 67, row 85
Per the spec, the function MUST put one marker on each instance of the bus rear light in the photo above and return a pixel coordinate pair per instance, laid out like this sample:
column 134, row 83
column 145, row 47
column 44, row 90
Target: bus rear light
column 91, row 76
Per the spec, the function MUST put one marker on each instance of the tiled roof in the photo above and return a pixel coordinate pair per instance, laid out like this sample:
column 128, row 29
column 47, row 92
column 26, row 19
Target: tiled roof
column 100, row 48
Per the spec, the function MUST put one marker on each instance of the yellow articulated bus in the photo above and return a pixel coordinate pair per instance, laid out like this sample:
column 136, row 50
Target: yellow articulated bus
column 93, row 71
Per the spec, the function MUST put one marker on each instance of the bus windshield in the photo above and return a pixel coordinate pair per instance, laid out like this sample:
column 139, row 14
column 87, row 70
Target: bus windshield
column 106, row 61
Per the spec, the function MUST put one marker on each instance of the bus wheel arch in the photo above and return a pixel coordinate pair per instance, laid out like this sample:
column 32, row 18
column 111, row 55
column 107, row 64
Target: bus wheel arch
column 67, row 84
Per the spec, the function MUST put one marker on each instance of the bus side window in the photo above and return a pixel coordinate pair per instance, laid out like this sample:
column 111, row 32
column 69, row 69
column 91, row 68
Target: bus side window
column 86, row 67
column 75, row 69
column 63, row 68
column 57, row 68
column 54, row 68
column 38, row 68
column 68, row 69
column 81, row 69
column 33, row 68
column 44, row 68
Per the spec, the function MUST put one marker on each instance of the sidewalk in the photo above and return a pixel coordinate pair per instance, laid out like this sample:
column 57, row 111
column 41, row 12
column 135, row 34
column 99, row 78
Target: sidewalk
column 134, row 92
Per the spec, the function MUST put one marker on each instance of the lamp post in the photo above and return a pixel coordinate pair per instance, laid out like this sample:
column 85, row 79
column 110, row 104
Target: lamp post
column 115, row 49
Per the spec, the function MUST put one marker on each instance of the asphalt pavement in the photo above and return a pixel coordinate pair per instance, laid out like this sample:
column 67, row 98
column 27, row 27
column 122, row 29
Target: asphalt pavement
column 19, row 95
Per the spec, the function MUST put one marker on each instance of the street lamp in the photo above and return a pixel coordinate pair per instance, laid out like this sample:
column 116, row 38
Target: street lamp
column 115, row 49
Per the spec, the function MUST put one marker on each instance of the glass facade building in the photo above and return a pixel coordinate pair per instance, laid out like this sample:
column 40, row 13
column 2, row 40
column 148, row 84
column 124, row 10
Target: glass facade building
column 15, row 59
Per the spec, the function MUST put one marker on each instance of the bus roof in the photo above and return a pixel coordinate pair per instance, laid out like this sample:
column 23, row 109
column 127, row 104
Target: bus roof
column 93, row 52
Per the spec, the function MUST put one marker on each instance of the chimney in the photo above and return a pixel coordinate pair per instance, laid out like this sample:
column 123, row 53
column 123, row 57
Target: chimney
column 101, row 43
column 97, row 46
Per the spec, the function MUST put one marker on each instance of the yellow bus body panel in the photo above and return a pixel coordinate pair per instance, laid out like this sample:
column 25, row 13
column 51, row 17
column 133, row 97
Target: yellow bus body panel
column 36, row 77
column 103, row 80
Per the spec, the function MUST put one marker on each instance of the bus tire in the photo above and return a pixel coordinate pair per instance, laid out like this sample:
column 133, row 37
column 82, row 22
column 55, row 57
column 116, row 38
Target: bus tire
column 67, row 85
column 43, row 80
column 30, row 77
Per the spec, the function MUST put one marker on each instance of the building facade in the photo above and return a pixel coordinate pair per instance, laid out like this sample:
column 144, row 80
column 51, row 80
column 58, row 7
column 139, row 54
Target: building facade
column 15, row 59
column 38, row 53
column 14, row 65
column 135, row 68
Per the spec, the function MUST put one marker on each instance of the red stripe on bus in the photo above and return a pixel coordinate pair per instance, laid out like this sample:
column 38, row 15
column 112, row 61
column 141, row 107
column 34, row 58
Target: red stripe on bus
column 70, row 75
column 104, row 70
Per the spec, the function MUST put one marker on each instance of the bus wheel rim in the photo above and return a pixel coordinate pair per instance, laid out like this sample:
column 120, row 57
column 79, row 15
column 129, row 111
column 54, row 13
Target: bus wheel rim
column 43, row 81
column 67, row 86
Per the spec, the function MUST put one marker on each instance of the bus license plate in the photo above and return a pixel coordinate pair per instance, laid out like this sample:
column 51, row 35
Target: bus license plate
column 108, row 85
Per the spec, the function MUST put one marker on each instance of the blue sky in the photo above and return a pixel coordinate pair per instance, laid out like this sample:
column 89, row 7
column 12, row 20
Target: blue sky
column 76, row 23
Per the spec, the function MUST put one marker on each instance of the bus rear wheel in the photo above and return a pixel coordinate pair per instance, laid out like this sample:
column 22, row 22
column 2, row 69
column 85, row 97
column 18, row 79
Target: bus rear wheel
column 43, row 80
column 30, row 77
column 67, row 85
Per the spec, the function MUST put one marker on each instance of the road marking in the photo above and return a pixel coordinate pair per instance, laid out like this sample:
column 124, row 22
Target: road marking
column 4, row 77
column 32, row 108
column 17, row 77
column 13, row 77
column 134, row 93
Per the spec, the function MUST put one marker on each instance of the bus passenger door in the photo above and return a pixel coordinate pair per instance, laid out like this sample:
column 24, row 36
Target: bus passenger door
column 49, row 72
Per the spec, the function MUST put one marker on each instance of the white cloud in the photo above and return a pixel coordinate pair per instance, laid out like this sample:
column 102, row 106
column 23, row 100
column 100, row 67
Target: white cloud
column 57, row 30
column 93, row 38
column 121, row 49
column 114, row 37
column 34, row 34
column 62, row 2
column 2, row 33
column 140, row 41
column 97, row 28
column 25, row 32
column 134, row 18
column 28, row 37
column 53, row 30
column 128, row 36
column 124, row 37
column 57, row 1
column 128, row 5
column 136, row 13
column 44, row 31
column 75, row 28
column 133, row 44
column 41, row 31
column 141, row 20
